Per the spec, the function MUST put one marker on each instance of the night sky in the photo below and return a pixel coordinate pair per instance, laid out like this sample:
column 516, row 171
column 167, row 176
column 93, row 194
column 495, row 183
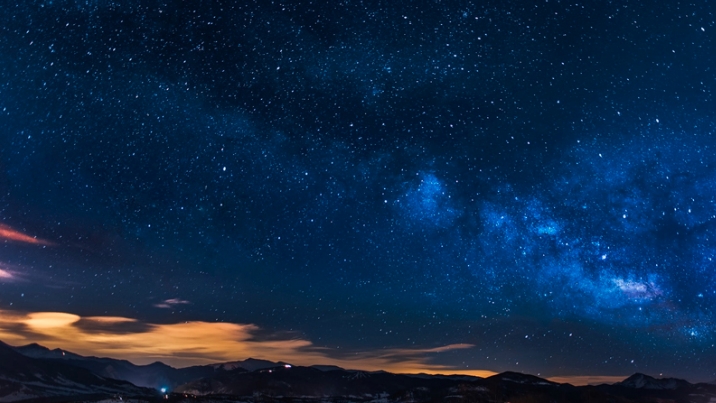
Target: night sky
column 433, row 185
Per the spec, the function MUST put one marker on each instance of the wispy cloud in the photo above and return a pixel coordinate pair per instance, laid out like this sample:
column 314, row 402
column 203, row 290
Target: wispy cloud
column 193, row 343
column 10, row 234
column 169, row 303
column 9, row 273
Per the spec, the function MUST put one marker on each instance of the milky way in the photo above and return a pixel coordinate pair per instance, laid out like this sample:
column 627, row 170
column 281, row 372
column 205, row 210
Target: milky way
column 531, row 182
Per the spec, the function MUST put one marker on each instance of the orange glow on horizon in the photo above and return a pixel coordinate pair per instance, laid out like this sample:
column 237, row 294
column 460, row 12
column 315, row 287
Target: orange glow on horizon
column 200, row 343
column 11, row 234
column 109, row 319
column 577, row 380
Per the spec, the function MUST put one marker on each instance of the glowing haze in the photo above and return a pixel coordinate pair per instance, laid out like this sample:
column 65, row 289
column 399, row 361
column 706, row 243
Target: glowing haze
column 198, row 343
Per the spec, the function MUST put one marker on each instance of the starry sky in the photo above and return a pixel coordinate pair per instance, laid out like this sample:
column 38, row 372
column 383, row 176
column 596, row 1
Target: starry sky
column 429, row 185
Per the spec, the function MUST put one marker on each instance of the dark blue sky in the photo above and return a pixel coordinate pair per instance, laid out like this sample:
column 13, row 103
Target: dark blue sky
column 534, row 179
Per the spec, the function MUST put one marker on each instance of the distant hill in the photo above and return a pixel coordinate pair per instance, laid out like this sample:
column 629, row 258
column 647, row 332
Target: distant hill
column 23, row 377
column 156, row 375
column 355, row 386
column 55, row 376
column 641, row 381
column 249, row 364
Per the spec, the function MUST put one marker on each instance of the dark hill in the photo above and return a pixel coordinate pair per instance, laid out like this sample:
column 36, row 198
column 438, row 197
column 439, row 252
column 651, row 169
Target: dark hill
column 26, row 377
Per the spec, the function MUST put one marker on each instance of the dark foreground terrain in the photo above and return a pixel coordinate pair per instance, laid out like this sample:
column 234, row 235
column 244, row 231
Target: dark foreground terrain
column 36, row 374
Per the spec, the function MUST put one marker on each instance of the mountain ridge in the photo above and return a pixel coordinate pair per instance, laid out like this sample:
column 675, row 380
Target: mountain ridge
column 23, row 377
column 56, row 374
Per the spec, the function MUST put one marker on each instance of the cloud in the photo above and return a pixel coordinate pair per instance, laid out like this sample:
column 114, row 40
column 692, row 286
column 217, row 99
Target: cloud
column 196, row 343
column 9, row 234
column 169, row 303
column 14, row 273
column 6, row 275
